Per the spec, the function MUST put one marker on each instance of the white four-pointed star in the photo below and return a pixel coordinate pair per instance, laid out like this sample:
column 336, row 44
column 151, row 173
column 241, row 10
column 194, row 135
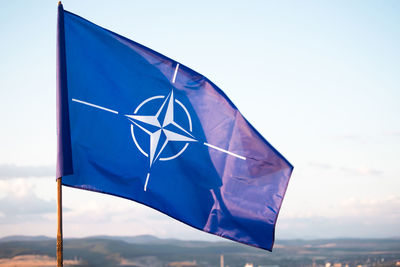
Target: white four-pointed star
column 161, row 128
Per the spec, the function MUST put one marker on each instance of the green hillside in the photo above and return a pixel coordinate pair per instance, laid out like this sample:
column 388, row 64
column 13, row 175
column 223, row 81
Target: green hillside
column 114, row 251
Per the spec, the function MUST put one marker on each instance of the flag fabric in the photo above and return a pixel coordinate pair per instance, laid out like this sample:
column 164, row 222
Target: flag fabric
column 136, row 124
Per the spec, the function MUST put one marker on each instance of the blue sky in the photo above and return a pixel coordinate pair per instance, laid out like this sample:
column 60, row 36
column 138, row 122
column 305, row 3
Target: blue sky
column 319, row 80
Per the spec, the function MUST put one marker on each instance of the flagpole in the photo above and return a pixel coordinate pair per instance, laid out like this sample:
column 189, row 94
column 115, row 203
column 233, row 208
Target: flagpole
column 60, row 262
column 59, row 225
column 64, row 158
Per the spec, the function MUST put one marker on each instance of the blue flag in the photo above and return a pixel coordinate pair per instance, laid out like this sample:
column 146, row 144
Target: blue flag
column 136, row 124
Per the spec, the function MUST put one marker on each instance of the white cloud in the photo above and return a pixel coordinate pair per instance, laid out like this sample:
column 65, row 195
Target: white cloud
column 26, row 205
column 9, row 171
column 320, row 165
column 362, row 170
column 387, row 208
column 392, row 133
column 353, row 217
column 19, row 202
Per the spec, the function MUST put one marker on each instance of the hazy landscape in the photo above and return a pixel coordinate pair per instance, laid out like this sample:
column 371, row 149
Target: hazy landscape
column 148, row 250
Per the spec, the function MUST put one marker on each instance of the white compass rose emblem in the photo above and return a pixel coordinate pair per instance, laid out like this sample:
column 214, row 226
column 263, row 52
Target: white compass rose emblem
column 161, row 128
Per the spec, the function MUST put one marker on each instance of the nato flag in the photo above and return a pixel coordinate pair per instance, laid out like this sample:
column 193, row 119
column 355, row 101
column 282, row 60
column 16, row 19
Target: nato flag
column 136, row 124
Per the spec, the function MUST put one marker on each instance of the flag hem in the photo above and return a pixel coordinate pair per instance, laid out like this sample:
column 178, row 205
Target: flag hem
column 64, row 149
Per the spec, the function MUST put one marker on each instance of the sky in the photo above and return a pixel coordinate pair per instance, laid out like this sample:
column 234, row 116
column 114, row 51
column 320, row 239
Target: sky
column 318, row 79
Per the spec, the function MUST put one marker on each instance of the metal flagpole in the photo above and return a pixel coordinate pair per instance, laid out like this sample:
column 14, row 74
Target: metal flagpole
column 59, row 225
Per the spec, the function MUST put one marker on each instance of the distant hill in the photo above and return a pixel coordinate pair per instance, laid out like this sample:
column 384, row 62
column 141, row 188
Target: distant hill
column 149, row 239
column 152, row 251
column 24, row 238
column 140, row 239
